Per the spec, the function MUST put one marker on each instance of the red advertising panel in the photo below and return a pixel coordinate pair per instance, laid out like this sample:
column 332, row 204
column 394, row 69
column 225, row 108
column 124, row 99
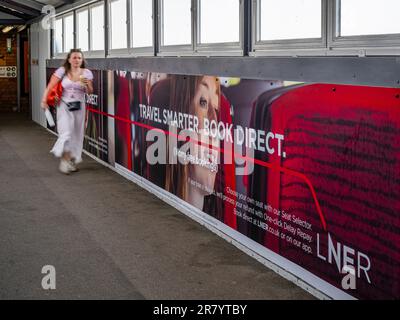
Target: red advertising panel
column 308, row 173
column 96, row 125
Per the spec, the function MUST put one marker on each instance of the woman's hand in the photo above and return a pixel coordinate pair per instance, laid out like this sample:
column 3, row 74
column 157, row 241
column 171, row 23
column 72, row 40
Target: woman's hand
column 87, row 84
column 44, row 105
column 84, row 81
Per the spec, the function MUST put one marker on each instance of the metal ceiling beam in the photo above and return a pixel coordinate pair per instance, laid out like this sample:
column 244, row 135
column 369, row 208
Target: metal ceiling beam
column 368, row 71
column 11, row 22
column 31, row 3
column 65, row 3
column 14, row 13
column 20, row 7
column 72, row 4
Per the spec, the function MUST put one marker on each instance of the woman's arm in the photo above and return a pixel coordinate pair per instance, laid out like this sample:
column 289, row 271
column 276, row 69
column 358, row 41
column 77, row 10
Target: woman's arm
column 87, row 81
column 53, row 81
column 89, row 87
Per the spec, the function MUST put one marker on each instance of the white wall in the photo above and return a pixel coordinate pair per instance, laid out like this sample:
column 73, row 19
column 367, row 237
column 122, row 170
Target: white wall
column 40, row 50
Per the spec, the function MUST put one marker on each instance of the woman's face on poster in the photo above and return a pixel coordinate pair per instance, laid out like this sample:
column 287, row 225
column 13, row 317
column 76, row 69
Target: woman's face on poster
column 206, row 105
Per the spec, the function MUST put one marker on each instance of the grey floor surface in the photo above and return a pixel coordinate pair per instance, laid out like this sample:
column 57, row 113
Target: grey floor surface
column 106, row 237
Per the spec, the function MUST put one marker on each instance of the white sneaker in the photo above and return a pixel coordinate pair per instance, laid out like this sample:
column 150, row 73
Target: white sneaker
column 64, row 166
column 72, row 167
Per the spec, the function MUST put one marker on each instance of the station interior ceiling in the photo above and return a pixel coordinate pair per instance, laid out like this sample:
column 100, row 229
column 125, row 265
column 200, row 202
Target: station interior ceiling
column 14, row 14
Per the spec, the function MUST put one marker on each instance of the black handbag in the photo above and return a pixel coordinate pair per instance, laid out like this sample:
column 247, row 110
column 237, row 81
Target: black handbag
column 73, row 106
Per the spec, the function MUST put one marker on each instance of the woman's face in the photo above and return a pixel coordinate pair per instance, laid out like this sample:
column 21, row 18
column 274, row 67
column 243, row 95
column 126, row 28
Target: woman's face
column 75, row 59
column 206, row 105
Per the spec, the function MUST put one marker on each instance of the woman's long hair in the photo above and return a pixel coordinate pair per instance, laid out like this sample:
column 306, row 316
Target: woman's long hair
column 183, row 89
column 67, row 65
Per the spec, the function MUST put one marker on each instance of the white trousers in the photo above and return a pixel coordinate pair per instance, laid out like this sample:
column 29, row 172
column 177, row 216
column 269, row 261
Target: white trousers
column 71, row 129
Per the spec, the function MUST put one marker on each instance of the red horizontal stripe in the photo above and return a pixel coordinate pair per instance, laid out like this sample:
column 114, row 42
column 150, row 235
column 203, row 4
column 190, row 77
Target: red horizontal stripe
column 256, row 161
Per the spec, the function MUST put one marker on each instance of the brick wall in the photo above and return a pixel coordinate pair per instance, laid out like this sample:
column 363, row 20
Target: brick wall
column 8, row 86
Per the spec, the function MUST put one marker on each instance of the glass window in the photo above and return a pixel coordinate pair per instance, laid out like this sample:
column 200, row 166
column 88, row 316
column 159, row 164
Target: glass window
column 216, row 27
column 290, row 19
column 177, row 22
column 68, row 33
column 58, row 37
column 118, row 24
column 369, row 17
column 83, row 30
column 142, row 23
column 97, row 28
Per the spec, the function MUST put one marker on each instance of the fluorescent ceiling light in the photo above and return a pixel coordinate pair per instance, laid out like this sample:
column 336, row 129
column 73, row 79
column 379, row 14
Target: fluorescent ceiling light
column 7, row 29
column 20, row 28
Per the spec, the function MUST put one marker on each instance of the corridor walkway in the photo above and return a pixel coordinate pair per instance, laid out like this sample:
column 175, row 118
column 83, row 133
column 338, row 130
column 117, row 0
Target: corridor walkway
column 106, row 237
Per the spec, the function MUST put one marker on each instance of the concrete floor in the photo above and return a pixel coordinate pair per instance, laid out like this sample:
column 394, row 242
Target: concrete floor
column 106, row 237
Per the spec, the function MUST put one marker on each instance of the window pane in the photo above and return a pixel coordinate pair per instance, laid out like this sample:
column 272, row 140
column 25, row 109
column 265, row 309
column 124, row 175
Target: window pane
column 97, row 28
column 216, row 27
column 118, row 24
column 142, row 23
column 177, row 25
column 369, row 17
column 83, row 34
column 290, row 19
column 69, row 33
column 58, row 36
